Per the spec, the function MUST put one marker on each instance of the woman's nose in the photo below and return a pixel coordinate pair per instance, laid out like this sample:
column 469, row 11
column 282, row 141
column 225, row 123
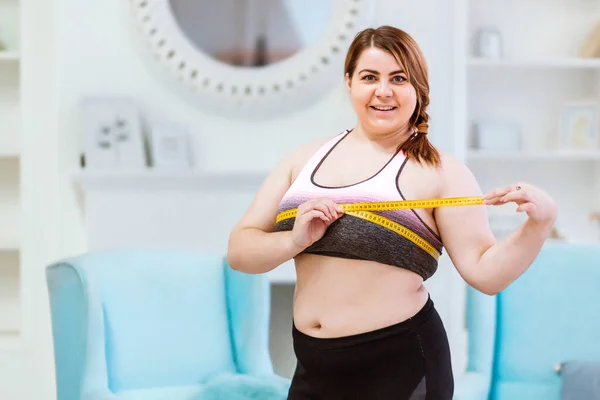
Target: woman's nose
column 383, row 90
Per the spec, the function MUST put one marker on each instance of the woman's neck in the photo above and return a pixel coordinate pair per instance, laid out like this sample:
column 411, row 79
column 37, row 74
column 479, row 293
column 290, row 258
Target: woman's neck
column 386, row 141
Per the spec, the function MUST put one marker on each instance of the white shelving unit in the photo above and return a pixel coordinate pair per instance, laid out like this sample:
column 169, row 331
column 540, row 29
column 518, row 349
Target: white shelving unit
column 539, row 72
column 10, row 179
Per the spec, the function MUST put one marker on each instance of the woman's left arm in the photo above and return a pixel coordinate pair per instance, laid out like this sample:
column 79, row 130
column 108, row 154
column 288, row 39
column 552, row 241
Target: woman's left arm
column 487, row 265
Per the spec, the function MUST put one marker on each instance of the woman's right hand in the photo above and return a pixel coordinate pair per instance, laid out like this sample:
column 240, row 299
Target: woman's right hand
column 312, row 220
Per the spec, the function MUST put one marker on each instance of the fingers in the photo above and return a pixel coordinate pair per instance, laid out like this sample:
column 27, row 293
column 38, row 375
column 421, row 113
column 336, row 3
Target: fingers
column 317, row 214
column 506, row 194
column 327, row 207
column 314, row 205
column 516, row 196
column 503, row 191
column 334, row 208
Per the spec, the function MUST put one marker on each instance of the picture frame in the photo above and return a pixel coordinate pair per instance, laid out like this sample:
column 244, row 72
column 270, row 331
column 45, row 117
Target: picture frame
column 170, row 147
column 579, row 126
column 113, row 134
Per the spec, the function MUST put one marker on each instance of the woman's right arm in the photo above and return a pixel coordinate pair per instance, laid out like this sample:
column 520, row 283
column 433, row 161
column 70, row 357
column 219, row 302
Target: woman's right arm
column 254, row 246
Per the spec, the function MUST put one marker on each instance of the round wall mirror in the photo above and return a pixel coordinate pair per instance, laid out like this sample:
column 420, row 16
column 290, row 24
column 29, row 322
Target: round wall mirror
column 253, row 57
column 252, row 33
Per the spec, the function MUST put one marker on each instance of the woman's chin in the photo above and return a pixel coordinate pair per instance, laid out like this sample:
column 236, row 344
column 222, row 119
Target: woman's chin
column 383, row 126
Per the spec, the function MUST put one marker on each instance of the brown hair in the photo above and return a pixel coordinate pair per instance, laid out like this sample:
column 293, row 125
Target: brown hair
column 407, row 53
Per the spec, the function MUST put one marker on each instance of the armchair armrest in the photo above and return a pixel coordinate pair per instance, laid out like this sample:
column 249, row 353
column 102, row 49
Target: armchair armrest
column 249, row 305
column 77, row 329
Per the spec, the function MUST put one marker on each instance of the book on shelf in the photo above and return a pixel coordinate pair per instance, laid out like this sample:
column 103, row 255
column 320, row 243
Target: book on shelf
column 591, row 47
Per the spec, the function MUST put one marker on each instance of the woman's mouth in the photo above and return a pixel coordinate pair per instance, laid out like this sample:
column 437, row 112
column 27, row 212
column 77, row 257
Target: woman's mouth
column 384, row 108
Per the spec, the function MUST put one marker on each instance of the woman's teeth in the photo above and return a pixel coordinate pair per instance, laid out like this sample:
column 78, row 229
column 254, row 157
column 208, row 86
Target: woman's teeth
column 383, row 108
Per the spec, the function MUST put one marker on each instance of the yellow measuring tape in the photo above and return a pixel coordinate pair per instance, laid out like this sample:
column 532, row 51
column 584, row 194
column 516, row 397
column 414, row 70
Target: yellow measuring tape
column 362, row 210
column 396, row 205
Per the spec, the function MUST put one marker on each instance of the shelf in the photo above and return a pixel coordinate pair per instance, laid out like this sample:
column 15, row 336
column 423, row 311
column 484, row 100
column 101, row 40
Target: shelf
column 10, row 341
column 10, row 110
column 9, row 56
column 9, row 236
column 562, row 155
column 150, row 179
column 9, row 244
column 575, row 63
column 10, row 209
column 10, row 315
column 9, row 153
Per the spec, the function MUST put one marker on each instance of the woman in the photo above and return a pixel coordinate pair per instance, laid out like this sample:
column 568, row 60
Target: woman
column 364, row 326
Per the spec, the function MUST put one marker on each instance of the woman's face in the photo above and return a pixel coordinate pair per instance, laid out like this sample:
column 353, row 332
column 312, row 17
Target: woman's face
column 380, row 93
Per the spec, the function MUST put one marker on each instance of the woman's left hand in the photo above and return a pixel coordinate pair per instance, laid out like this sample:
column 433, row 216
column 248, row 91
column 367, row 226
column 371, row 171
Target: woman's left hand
column 538, row 205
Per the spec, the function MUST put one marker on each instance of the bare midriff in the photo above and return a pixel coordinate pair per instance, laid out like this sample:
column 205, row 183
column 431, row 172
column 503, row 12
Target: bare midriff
column 336, row 297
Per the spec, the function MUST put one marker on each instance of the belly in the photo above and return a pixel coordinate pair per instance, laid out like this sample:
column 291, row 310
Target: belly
column 339, row 297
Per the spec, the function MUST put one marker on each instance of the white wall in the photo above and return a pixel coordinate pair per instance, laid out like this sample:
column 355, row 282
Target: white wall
column 95, row 51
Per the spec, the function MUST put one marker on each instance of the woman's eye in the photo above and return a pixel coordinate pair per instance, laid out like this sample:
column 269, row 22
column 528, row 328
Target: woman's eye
column 399, row 79
column 369, row 77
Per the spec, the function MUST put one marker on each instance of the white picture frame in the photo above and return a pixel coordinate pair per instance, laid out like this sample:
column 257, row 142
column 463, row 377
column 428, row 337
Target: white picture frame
column 579, row 126
column 113, row 134
column 170, row 147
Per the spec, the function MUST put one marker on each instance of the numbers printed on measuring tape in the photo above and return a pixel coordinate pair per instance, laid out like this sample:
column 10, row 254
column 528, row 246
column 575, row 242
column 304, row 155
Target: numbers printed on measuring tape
column 396, row 205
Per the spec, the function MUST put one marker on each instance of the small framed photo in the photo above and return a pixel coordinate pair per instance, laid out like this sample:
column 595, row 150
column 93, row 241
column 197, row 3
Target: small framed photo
column 113, row 137
column 170, row 146
column 578, row 128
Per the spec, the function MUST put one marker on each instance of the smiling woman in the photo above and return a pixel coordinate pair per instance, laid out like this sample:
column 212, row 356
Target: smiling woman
column 397, row 93
column 364, row 325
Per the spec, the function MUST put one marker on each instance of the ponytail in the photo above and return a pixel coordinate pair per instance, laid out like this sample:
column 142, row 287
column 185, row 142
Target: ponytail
column 418, row 147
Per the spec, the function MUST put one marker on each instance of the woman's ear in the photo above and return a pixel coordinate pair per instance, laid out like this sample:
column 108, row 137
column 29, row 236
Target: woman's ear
column 347, row 78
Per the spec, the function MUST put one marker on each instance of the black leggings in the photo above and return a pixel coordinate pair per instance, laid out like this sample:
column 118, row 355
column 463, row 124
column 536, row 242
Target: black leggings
column 406, row 361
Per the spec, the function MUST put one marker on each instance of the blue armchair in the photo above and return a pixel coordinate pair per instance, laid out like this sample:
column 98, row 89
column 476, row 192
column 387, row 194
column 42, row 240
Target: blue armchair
column 160, row 324
column 547, row 317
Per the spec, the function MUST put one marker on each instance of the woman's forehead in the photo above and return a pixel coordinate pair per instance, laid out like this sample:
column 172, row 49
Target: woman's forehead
column 379, row 60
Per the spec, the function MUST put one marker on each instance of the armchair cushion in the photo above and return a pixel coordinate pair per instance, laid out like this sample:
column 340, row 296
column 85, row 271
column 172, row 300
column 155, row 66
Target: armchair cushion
column 548, row 315
column 145, row 300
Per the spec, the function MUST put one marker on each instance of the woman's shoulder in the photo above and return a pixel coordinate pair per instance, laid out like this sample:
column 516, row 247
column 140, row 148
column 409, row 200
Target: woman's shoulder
column 297, row 158
column 305, row 150
column 454, row 177
column 450, row 170
column 451, row 166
